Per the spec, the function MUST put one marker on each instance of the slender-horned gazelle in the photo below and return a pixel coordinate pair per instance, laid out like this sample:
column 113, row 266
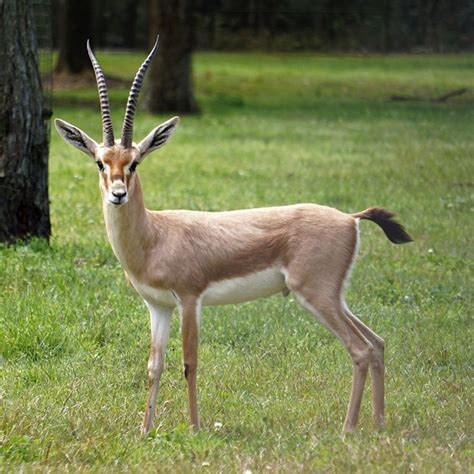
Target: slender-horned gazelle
column 188, row 259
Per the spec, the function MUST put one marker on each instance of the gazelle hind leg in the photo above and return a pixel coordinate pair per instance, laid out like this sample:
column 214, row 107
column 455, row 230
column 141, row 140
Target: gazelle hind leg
column 377, row 367
column 330, row 312
column 160, row 321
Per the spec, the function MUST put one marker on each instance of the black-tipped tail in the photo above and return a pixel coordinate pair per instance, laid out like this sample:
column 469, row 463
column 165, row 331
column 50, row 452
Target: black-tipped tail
column 394, row 231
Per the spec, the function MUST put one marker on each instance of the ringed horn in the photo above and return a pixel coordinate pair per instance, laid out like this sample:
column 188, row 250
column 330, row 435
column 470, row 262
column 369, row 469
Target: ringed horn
column 127, row 129
column 107, row 129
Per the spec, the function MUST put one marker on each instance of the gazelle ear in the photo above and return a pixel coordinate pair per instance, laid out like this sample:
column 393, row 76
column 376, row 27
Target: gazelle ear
column 158, row 137
column 76, row 137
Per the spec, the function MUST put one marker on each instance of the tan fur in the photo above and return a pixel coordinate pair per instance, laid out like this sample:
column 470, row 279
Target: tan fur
column 178, row 258
column 185, row 251
column 208, row 247
column 185, row 258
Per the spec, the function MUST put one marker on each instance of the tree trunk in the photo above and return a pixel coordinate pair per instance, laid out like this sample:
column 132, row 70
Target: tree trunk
column 24, row 205
column 75, row 27
column 169, row 87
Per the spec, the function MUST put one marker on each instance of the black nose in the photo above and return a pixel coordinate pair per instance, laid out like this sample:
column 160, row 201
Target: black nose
column 119, row 194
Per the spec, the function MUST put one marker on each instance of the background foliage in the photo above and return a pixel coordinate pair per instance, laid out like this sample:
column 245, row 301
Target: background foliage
column 357, row 25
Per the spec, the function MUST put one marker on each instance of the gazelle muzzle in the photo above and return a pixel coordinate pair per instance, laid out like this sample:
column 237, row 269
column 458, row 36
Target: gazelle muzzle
column 118, row 193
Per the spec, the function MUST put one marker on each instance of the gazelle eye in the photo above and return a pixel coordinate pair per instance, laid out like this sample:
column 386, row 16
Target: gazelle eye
column 100, row 165
column 133, row 167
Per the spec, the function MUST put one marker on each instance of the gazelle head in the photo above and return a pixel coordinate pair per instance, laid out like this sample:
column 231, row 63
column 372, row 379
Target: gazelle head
column 118, row 159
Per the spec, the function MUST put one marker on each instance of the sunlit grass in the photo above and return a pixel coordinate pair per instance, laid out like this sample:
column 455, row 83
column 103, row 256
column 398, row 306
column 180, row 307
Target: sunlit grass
column 273, row 384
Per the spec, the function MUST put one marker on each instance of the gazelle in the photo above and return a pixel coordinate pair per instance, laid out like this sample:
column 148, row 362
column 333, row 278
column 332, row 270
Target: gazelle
column 190, row 259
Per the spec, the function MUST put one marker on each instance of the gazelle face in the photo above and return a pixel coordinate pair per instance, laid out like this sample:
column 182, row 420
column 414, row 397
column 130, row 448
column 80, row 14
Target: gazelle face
column 117, row 167
column 117, row 160
column 117, row 164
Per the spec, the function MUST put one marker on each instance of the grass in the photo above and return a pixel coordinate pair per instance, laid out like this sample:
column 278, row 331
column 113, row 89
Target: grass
column 273, row 384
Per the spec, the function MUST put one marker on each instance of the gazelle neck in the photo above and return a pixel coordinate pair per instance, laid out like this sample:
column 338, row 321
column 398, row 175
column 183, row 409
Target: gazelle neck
column 128, row 229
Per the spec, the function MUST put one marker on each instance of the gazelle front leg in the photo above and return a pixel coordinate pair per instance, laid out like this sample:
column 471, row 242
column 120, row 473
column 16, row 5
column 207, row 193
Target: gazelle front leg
column 160, row 321
column 190, row 316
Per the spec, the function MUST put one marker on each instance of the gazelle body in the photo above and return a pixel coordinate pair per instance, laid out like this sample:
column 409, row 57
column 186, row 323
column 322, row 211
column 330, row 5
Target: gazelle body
column 188, row 259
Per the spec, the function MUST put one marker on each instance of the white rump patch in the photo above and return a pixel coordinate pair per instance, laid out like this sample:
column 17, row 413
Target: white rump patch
column 354, row 256
column 249, row 287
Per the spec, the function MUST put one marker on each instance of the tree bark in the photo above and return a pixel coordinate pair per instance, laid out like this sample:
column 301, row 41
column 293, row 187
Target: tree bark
column 169, row 87
column 75, row 27
column 24, row 204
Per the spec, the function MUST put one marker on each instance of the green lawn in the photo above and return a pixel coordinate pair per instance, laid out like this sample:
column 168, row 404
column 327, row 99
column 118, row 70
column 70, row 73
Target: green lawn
column 273, row 383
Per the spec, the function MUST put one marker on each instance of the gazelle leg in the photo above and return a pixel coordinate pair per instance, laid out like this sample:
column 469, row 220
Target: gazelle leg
column 377, row 367
column 190, row 316
column 330, row 313
column 160, row 321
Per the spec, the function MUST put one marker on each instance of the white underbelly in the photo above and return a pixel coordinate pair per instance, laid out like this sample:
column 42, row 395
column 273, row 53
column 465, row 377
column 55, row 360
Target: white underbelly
column 246, row 288
column 233, row 290
column 155, row 296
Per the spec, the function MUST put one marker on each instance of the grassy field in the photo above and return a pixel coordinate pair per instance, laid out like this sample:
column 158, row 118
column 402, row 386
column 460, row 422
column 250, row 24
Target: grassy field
column 273, row 383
